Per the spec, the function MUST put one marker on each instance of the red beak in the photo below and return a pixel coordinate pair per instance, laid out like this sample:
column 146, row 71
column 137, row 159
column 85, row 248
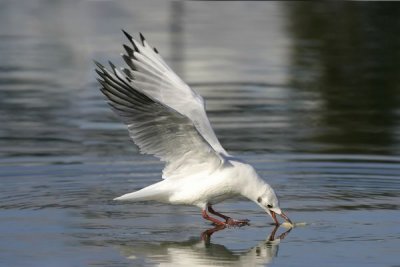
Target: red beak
column 283, row 215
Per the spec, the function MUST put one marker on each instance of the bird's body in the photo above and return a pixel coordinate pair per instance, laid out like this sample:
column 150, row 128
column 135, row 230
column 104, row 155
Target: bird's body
column 167, row 119
column 202, row 188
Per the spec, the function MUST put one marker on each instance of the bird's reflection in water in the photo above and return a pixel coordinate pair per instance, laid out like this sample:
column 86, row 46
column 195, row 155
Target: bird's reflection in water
column 203, row 252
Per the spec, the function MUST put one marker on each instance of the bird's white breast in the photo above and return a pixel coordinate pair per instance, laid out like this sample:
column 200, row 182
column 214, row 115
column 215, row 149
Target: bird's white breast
column 205, row 188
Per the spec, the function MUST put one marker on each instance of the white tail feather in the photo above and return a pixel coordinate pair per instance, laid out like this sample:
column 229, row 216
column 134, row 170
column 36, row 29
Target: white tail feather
column 152, row 192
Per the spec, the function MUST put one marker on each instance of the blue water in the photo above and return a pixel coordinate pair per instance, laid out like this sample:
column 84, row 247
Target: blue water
column 307, row 93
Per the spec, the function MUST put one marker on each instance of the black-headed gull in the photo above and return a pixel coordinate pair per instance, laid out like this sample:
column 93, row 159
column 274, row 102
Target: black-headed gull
column 167, row 119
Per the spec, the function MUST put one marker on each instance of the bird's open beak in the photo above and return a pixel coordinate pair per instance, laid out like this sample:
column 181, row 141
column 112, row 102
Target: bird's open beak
column 280, row 213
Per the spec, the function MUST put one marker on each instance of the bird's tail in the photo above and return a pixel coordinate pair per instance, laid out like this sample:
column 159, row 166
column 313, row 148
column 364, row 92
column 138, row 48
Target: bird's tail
column 152, row 192
column 133, row 196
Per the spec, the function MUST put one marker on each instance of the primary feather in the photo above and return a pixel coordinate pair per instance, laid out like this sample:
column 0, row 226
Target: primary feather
column 165, row 117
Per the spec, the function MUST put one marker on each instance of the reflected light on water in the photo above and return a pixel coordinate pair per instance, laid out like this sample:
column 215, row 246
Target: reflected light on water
column 307, row 92
column 203, row 252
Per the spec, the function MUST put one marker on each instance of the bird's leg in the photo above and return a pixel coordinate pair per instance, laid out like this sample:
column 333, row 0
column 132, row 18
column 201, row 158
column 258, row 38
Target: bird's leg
column 212, row 211
column 228, row 220
column 208, row 217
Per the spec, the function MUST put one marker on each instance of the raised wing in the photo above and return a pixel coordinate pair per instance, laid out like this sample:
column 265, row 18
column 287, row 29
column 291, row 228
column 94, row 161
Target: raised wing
column 152, row 76
column 154, row 103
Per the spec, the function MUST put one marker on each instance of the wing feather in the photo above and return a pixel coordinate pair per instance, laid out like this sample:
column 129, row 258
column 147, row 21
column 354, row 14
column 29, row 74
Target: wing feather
column 164, row 116
column 157, row 80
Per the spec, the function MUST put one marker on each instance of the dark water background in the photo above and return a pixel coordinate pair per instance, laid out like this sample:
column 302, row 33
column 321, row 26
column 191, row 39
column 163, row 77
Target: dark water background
column 308, row 93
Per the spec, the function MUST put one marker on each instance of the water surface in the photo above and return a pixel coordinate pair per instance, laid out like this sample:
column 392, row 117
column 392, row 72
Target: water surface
column 307, row 93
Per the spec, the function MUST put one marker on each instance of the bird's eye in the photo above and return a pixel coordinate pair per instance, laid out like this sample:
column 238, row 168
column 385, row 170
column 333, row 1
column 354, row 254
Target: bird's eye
column 259, row 199
column 269, row 206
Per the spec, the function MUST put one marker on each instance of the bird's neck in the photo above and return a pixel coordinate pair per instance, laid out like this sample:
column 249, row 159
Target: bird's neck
column 247, row 181
column 252, row 187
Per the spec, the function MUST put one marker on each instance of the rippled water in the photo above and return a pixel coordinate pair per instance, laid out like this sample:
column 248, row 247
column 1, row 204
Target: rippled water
column 310, row 100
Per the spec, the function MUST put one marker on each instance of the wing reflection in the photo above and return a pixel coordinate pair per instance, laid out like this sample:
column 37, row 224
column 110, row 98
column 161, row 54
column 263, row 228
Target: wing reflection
column 203, row 252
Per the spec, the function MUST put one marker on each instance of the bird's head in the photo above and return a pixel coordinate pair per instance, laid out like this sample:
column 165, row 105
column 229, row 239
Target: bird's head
column 268, row 201
column 257, row 190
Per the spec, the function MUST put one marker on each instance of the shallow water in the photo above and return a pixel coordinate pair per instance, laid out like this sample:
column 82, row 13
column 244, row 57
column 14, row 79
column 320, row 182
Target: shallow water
column 310, row 100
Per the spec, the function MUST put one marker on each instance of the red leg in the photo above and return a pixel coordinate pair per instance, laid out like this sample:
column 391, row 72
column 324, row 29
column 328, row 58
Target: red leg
column 208, row 217
column 211, row 210
column 228, row 220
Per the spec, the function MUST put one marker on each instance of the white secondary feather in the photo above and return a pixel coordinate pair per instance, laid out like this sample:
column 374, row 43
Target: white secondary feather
column 165, row 117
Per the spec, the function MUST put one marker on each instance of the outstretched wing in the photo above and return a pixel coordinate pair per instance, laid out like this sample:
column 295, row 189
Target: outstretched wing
column 165, row 117
column 153, row 77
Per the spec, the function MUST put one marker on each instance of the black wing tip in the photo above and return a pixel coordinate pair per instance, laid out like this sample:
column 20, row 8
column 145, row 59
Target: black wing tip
column 128, row 73
column 128, row 49
column 130, row 38
column 100, row 73
column 142, row 39
column 127, row 34
column 155, row 50
column 100, row 80
column 98, row 64
column 128, row 61
column 112, row 65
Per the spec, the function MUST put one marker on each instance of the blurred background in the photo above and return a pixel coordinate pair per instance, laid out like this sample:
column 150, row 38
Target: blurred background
column 277, row 77
column 307, row 92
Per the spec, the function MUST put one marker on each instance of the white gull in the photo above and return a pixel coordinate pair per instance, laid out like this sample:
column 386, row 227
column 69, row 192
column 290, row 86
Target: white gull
column 167, row 119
